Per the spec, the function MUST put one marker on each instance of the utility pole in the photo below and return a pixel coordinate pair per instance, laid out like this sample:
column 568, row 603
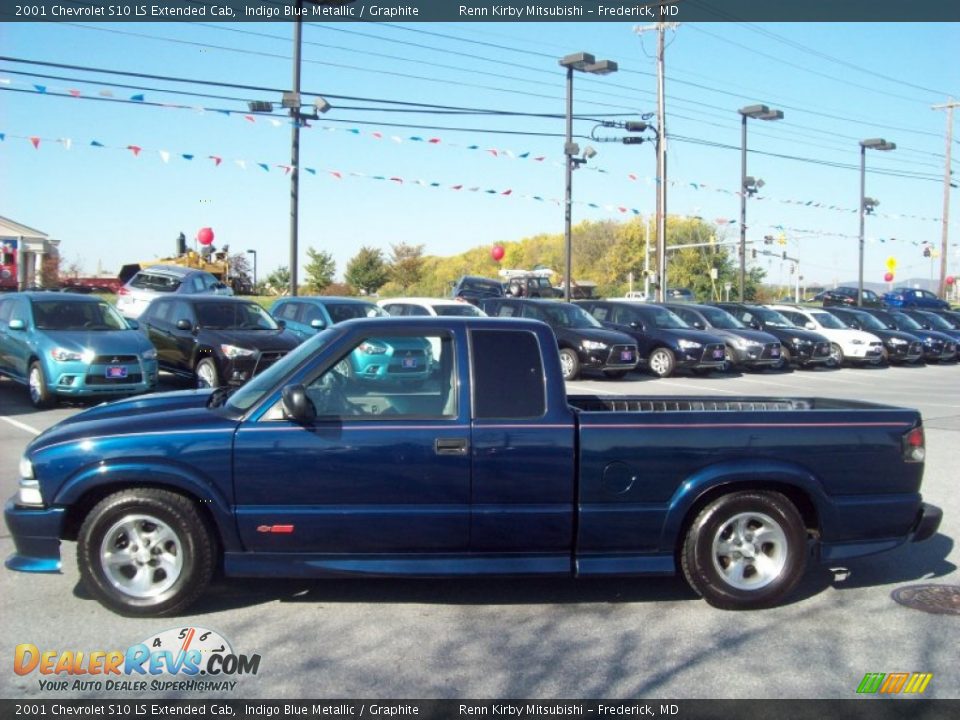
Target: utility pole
column 945, row 220
column 661, row 28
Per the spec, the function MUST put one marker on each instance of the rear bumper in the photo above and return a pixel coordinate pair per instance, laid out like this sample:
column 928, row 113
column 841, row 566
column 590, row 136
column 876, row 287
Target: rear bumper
column 927, row 524
column 36, row 536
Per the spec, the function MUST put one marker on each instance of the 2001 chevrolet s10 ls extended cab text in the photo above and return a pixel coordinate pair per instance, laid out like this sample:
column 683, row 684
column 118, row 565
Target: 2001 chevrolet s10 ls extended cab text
column 484, row 465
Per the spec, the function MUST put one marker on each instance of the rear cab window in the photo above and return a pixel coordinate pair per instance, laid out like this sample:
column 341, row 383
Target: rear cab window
column 507, row 390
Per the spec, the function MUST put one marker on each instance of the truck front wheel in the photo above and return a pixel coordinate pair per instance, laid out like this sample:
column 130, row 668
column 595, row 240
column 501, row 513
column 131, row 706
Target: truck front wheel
column 745, row 550
column 145, row 552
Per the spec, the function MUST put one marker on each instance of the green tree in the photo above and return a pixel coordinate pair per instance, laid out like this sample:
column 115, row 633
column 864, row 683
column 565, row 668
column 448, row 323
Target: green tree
column 319, row 270
column 406, row 265
column 367, row 270
column 278, row 282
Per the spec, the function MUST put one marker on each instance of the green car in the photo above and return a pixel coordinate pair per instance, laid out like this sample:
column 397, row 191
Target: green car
column 67, row 345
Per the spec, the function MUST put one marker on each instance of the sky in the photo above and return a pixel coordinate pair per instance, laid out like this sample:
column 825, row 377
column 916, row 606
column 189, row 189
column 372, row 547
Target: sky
column 373, row 173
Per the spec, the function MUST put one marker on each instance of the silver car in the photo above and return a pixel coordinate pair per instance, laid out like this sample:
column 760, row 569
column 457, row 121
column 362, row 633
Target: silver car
column 157, row 280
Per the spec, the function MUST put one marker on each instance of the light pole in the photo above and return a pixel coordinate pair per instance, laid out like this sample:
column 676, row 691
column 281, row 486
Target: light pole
column 758, row 112
column 584, row 62
column 254, row 253
column 865, row 207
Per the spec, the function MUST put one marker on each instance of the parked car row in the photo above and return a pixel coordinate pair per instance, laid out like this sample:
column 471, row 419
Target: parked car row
column 75, row 345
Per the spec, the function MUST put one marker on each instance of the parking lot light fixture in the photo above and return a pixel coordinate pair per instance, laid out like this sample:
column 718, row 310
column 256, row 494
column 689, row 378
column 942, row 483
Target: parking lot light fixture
column 867, row 205
column 581, row 62
column 757, row 112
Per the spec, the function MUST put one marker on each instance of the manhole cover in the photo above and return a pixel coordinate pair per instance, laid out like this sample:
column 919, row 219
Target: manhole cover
column 937, row 599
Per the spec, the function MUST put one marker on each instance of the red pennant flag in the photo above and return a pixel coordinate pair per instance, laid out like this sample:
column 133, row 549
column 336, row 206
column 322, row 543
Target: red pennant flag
column 506, row 192
column 492, row 152
column 75, row 93
column 434, row 141
column 632, row 176
column 36, row 142
column 216, row 160
column 397, row 180
column 286, row 169
column 250, row 118
column 336, row 174
column 378, row 136
column 135, row 149
column 457, row 187
column 540, row 159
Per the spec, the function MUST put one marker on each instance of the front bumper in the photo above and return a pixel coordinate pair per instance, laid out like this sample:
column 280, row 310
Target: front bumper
column 757, row 356
column 712, row 355
column 36, row 536
column 617, row 357
column 77, row 379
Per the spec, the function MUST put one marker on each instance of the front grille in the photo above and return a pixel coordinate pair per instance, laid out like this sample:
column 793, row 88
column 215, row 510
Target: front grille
column 916, row 349
column 616, row 355
column 397, row 367
column 769, row 349
column 131, row 379
column 115, row 360
column 821, row 350
column 267, row 359
column 713, row 353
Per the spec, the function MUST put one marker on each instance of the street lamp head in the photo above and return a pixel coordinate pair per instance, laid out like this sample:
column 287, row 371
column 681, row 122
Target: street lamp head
column 603, row 67
column 877, row 144
column 577, row 61
column 321, row 105
column 761, row 112
column 290, row 100
column 589, row 152
column 870, row 204
column 252, row 251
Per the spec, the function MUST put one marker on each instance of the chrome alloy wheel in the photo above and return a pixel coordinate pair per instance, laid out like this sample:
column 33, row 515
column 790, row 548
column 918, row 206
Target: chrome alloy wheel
column 141, row 556
column 35, row 382
column 206, row 375
column 750, row 551
column 660, row 363
column 566, row 365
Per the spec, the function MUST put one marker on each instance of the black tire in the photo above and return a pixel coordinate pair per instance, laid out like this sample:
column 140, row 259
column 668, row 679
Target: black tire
column 615, row 374
column 662, row 362
column 720, row 549
column 40, row 395
column 569, row 363
column 207, row 374
column 142, row 586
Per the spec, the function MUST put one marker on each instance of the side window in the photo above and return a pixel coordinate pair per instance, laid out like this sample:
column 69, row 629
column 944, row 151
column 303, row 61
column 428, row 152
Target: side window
column 507, row 390
column 686, row 315
column 621, row 316
column 197, row 284
column 19, row 311
column 6, row 306
column 384, row 378
column 417, row 311
column 309, row 313
column 288, row 311
column 506, row 310
column 181, row 310
column 601, row 313
column 394, row 309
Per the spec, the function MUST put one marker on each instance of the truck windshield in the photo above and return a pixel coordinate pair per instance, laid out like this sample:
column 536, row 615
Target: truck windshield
column 250, row 394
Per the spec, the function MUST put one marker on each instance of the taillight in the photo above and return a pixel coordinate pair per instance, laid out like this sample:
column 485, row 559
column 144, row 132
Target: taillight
column 123, row 291
column 914, row 449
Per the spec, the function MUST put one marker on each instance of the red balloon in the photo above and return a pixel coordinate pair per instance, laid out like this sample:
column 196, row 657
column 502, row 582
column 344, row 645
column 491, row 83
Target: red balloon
column 888, row 277
column 950, row 279
column 205, row 236
column 497, row 252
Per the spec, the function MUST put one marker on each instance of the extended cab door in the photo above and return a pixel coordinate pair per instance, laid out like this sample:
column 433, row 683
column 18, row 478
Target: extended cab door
column 383, row 470
column 523, row 454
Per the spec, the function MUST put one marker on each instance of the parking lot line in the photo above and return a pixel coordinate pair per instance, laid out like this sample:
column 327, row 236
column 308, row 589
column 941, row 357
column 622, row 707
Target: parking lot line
column 22, row 426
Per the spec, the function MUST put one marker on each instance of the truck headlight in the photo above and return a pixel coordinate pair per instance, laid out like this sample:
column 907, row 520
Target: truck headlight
column 690, row 345
column 594, row 345
column 29, row 493
column 26, row 468
column 232, row 351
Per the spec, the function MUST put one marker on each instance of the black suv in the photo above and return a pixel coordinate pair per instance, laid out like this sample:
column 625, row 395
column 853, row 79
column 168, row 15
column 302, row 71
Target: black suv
column 937, row 346
column 898, row 346
column 217, row 340
column 797, row 345
column 584, row 343
column 474, row 289
column 666, row 342
column 847, row 297
column 746, row 347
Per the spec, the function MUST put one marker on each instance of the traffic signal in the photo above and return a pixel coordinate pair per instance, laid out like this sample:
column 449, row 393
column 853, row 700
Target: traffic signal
column 926, row 251
column 753, row 253
column 784, row 254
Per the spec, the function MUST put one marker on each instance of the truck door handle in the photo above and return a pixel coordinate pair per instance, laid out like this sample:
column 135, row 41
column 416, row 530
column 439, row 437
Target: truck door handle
column 450, row 446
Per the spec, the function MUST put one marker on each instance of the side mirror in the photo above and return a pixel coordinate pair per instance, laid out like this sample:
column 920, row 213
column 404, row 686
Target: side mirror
column 755, row 324
column 281, row 324
column 635, row 325
column 296, row 405
column 809, row 325
column 317, row 324
column 698, row 324
column 133, row 324
column 17, row 325
column 184, row 325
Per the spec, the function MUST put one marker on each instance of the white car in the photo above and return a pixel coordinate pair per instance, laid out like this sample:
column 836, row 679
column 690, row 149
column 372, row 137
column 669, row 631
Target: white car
column 423, row 307
column 846, row 343
column 430, row 307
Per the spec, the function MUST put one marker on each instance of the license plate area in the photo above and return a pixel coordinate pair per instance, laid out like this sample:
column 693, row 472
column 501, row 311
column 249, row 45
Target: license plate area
column 115, row 372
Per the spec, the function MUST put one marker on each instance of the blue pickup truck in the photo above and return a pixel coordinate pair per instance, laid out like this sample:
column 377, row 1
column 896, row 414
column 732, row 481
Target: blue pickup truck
column 486, row 467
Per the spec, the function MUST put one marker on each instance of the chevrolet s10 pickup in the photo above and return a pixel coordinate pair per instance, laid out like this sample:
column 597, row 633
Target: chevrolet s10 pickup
column 481, row 466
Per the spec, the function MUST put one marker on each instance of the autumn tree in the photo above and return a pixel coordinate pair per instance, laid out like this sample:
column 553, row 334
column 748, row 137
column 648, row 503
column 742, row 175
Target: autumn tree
column 406, row 265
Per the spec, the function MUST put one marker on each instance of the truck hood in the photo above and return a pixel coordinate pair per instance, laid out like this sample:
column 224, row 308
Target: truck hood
column 158, row 412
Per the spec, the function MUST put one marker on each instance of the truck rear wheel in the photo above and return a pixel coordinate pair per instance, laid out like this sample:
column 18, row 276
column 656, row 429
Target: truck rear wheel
column 145, row 552
column 745, row 550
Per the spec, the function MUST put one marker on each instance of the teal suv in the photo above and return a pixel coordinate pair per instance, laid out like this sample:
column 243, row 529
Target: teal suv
column 72, row 345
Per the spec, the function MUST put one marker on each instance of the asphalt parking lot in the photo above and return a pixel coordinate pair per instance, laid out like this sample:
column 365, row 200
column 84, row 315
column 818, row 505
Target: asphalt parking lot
column 521, row 638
